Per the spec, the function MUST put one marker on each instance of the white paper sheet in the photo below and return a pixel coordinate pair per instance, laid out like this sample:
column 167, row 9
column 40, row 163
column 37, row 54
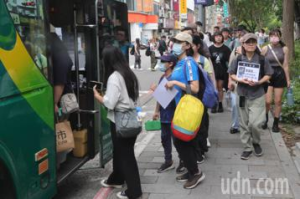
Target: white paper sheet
column 248, row 71
column 162, row 95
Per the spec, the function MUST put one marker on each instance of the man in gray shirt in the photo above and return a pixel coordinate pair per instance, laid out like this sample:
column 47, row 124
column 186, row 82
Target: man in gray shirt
column 251, row 100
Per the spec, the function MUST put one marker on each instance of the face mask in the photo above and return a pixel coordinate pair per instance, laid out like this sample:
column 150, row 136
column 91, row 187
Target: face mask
column 177, row 49
column 274, row 39
column 162, row 67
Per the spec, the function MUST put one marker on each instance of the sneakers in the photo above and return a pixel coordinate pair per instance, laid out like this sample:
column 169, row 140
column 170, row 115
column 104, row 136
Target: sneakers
column 194, row 180
column 122, row 195
column 257, row 150
column 246, row 155
column 105, row 184
column 183, row 178
column 180, row 169
column 275, row 129
column 234, row 130
column 200, row 159
column 166, row 166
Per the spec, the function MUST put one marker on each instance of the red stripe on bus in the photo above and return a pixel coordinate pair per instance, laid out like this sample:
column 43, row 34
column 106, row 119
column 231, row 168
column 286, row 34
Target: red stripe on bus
column 103, row 193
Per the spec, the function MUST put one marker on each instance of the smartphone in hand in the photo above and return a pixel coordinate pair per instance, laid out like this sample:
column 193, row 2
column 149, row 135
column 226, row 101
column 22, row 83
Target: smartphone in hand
column 99, row 86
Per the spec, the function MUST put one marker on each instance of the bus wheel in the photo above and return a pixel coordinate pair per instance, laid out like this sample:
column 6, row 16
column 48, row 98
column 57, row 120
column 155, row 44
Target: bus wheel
column 7, row 189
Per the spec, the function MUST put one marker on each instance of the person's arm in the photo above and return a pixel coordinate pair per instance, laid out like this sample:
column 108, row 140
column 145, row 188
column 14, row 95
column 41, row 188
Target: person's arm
column 194, row 85
column 156, row 112
column 97, row 95
column 191, row 73
column 112, row 95
column 286, row 66
column 264, row 50
column 136, row 50
column 58, row 91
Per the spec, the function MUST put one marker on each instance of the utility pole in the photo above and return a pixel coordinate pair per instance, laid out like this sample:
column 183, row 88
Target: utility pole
column 201, row 16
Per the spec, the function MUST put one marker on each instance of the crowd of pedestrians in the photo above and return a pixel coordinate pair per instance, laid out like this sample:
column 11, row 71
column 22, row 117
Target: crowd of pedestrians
column 227, row 61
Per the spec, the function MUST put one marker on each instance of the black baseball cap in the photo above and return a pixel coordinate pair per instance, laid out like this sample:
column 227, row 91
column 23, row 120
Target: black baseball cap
column 225, row 30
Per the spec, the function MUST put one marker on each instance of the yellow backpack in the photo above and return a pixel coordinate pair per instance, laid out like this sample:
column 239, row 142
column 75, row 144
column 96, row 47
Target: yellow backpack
column 187, row 118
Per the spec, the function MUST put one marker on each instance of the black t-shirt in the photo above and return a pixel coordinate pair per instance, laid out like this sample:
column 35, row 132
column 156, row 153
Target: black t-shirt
column 62, row 63
column 220, row 57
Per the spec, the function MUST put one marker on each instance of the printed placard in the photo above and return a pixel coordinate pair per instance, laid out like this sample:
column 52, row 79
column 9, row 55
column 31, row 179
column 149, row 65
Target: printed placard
column 248, row 71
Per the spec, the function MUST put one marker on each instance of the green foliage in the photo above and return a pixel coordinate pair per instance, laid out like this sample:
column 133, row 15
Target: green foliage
column 292, row 114
column 295, row 65
column 255, row 14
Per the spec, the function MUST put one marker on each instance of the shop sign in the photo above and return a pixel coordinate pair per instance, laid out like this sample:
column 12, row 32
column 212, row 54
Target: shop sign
column 183, row 9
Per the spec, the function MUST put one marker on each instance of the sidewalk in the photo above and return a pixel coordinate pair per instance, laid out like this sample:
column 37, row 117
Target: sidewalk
column 222, row 161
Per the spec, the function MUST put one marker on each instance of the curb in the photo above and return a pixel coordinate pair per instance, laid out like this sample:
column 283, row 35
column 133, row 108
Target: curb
column 290, row 167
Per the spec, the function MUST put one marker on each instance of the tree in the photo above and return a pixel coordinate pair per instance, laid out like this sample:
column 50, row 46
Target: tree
column 252, row 13
column 288, row 26
column 297, row 18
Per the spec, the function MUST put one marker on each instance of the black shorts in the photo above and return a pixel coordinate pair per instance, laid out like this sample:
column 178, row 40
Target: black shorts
column 221, row 73
column 278, row 79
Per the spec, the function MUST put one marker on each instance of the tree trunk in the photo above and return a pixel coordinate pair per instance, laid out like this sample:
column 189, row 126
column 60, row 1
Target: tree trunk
column 297, row 18
column 288, row 26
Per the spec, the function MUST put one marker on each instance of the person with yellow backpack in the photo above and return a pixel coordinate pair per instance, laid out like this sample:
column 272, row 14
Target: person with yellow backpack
column 185, row 77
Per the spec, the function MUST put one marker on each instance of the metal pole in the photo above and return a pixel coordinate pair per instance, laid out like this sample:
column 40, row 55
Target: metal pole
column 201, row 16
column 97, row 40
column 77, row 67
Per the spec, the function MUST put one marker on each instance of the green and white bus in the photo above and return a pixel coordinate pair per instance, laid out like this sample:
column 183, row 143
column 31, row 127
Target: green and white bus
column 28, row 158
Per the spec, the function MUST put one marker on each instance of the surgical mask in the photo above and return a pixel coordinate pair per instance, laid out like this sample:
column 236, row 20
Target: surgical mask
column 177, row 49
column 274, row 40
column 162, row 67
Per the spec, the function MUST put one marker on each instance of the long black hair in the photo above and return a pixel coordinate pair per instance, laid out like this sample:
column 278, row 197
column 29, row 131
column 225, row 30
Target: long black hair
column 277, row 32
column 114, row 60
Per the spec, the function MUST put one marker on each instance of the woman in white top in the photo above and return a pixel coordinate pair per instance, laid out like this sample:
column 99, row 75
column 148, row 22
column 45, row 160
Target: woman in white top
column 121, row 93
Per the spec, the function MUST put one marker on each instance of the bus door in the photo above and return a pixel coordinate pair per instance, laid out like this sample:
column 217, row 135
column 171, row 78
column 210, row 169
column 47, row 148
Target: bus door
column 113, row 30
column 75, row 23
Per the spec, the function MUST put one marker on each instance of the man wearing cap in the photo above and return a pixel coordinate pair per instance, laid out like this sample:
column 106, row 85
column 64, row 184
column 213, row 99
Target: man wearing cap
column 250, row 100
column 186, row 73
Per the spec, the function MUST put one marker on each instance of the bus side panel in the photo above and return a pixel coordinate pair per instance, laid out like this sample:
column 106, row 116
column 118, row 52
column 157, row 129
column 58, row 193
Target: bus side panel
column 25, row 133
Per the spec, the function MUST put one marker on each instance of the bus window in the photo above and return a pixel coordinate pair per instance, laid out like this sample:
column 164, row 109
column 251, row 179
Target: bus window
column 28, row 18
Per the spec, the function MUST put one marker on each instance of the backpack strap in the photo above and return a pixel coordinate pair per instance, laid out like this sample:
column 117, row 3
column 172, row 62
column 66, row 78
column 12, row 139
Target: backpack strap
column 202, row 61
